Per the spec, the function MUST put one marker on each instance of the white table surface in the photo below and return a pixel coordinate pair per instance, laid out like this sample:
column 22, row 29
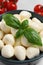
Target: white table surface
column 29, row 5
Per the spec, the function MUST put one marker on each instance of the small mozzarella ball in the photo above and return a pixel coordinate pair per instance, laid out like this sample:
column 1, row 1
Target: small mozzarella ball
column 41, row 48
column 18, row 42
column 20, row 52
column 24, row 42
column 35, row 25
column 1, row 44
column 41, row 33
column 17, row 16
column 9, row 39
column 36, row 20
column 25, row 14
column 7, row 51
column 4, row 27
column 32, row 52
column 13, row 31
column 1, row 34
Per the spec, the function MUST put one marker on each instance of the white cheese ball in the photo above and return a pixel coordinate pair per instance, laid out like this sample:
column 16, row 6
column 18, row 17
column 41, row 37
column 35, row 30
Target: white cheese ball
column 4, row 27
column 9, row 39
column 32, row 52
column 25, row 14
column 1, row 44
column 18, row 42
column 37, row 21
column 7, row 51
column 35, row 25
column 1, row 34
column 13, row 31
column 17, row 16
column 24, row 41
column 20, row 52
column 41, row 47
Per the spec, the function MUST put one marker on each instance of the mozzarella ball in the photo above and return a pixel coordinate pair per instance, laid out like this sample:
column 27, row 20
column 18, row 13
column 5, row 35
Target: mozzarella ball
column 18, row 42
column 13, row 31
column 4, row 27
column 25, row 14
column 9, row 39
column 1, row 34
column 17, row 16
column 1, row 44
column 32, row 52
column 24, row 41
column 41, row 47
column 20, row 52
column 36, row 20
column 7, row 51
column 35, row 25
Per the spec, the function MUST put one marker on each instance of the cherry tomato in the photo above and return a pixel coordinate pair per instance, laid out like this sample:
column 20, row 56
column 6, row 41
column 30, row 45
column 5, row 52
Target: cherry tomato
column 40, row 13
column 1, row 1
column 37, row 8
column 14, row 1
column 11, row 6
column 2, row 10
column 41, row 9
column 5, row 4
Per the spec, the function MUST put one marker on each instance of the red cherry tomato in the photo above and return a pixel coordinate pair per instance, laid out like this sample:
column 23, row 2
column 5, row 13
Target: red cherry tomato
column 5, row 4
column 1, row 1
column 37, row 8
column 41, row 9
column 2, row 10
column 14, row 1
column 11, row 6
column 40, row 13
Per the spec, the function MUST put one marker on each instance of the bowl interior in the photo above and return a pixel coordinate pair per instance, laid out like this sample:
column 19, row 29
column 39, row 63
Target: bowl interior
column 27, row 60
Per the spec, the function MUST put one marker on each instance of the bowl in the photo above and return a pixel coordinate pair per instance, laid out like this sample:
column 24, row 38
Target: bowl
column 13, row 61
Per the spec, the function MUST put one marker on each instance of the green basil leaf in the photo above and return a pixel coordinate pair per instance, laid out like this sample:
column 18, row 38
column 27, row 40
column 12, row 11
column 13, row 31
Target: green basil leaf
column 33, row 37
column 24, row 24
column 19, row 33
column 11, row 21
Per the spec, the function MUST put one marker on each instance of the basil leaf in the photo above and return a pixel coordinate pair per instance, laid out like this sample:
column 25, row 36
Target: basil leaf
column 19, row 33
column 11, row 21
column 33, row 37
column 24, row 24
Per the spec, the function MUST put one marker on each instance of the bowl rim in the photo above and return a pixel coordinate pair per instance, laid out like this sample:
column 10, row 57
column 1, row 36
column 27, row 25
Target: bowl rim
column 18, row 61
column 24, row 61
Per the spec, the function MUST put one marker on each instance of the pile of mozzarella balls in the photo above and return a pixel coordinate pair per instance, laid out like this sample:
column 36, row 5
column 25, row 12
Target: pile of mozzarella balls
column 20, row 48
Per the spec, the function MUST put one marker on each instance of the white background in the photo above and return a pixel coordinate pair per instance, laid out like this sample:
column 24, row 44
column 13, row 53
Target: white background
column 29, row 5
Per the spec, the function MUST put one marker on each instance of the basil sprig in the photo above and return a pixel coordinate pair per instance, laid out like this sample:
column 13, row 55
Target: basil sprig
column 11, row 21
column 23, row 29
